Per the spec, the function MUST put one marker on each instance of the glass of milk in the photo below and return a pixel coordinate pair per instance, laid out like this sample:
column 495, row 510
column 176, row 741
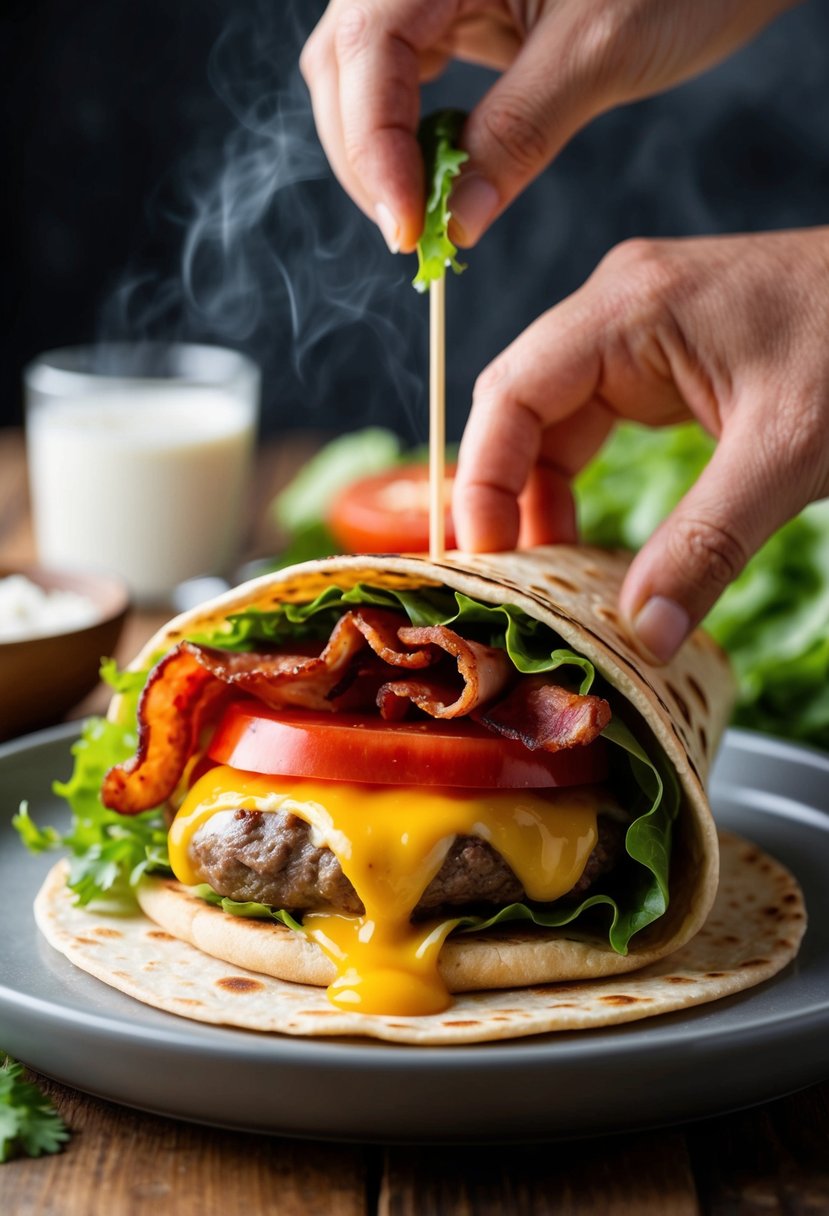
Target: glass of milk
column 139, row 459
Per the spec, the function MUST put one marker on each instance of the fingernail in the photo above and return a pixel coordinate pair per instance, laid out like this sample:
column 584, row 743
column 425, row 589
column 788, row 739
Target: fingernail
column 662, row 626
column 388, row 226
column 473, row 203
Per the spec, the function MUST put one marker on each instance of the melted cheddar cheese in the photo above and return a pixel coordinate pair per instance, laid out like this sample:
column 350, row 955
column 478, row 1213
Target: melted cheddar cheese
column 391, row 841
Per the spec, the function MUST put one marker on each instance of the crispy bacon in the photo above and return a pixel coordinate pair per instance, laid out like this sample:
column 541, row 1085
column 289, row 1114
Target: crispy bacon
column 541, row 714
column 189, row 686
column 316, row 681
column 269, row 677
column 170, row 711
column 183, row 685
column 383, row 631
column 484, row 671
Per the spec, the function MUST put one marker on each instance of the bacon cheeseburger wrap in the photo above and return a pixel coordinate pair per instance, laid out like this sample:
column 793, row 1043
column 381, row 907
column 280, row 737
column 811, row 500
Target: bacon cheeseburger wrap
column 373, row 793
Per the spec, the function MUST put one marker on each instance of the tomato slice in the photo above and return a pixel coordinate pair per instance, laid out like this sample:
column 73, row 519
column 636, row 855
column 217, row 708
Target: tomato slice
column 388, row 513
column 362, row 748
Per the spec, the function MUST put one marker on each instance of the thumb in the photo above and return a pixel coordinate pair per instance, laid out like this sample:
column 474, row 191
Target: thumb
column 519, row 126
column 743, row 495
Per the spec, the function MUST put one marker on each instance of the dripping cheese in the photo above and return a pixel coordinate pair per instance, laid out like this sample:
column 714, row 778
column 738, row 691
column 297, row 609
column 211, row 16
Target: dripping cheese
column 391, row 841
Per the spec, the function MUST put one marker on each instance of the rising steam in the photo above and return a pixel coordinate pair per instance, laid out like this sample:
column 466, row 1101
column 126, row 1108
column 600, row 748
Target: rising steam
column 274, row 258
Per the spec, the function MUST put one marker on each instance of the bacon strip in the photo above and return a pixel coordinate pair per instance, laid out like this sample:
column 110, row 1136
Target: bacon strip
column 315, row 681
column 383, row 630
column 168, row 719
column 190, row 684
column 184, row 685
column 484, row 670
column 541, row 714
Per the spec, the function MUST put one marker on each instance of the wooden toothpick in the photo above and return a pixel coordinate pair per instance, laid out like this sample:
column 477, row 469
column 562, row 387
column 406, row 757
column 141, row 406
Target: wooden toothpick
column 437, row 418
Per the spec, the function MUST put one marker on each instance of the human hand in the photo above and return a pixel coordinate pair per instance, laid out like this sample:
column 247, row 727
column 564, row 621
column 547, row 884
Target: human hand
column 564, row 62
column 731, row 331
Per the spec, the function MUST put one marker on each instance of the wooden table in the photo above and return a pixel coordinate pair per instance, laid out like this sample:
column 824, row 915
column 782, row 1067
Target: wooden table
column 770, row 1160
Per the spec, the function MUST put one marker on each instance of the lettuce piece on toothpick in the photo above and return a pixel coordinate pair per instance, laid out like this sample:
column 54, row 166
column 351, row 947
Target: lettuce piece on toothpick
column 438, row 135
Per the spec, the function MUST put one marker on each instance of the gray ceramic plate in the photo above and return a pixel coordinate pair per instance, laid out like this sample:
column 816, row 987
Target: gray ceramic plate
column 735, row 1052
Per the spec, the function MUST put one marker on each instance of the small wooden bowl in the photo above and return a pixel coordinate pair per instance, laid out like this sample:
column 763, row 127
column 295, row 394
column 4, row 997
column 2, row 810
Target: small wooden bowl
column 41, row 678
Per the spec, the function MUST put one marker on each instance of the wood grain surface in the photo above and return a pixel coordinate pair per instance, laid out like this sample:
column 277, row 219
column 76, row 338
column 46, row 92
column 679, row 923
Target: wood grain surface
column 772, row 1160
column 121, row 1162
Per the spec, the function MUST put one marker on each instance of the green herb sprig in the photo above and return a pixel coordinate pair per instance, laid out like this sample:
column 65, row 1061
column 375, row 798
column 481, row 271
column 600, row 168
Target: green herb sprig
column 29, row 1124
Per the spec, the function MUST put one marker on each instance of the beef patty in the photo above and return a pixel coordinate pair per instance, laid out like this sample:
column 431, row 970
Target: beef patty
column 270, row 858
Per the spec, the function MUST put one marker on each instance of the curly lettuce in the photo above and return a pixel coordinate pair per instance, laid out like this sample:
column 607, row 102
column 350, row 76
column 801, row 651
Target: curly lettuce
column 108, row 852
column 442, row 159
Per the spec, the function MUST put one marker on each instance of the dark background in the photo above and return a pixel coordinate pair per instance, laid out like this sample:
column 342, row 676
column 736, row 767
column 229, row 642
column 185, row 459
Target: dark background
column 161, row 179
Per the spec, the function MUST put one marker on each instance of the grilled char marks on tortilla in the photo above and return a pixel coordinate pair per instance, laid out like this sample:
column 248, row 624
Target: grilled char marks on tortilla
column 365, row 664
column 270, row 858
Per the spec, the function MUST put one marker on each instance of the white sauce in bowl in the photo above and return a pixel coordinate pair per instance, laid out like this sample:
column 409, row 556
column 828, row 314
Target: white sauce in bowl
column 29, row 611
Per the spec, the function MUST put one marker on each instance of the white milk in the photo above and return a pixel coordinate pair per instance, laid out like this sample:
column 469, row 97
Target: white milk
column 148, row 480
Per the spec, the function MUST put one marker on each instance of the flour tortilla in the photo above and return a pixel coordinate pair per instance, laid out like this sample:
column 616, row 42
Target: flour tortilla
column 574, row 590
column 754, row 929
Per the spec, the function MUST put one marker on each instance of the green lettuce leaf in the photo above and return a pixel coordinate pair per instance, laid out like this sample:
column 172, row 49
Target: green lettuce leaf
column 647, row 843
column 442, row 159
column 246, row 908
column 108, row 852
